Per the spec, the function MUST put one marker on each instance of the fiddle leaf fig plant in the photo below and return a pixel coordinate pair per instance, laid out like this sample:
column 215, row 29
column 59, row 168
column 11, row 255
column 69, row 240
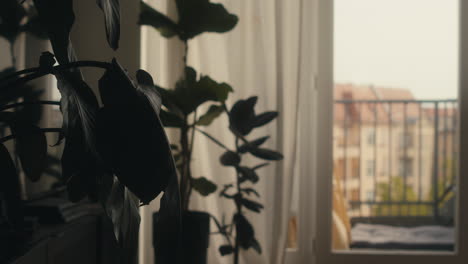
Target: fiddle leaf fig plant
column 242, row 121
column 116, row 153
column 182, row 102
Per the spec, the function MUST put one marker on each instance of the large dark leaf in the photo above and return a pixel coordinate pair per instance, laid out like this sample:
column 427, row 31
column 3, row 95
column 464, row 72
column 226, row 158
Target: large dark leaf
column 244, row 229
column 122, row 208
column 79, row 107
column 132, row 140
column 264, row 118
column 111, row 10
column 11, row 14
column 10, row 188
column 151, row 17
column 198, row 16
column 148, row 90
column 266, row 154
column 230, row 158
column 203, row 186
column 57, row 17
column 253, row 144
column 241, row 116
column 31, row 145
column 80, row 167
column 213, row 112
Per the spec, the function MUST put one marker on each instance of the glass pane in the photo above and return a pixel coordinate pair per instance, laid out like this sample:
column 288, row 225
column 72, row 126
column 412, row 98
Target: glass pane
column 395, row 124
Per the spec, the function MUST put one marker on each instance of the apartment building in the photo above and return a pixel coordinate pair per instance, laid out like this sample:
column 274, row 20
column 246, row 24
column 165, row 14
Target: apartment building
column 387, row 145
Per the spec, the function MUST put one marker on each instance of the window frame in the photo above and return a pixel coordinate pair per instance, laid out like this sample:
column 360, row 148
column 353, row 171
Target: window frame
column 323, row 201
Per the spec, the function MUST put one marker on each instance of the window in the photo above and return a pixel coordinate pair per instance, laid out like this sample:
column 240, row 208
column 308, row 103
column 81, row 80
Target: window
column 371, row 137
column 406, row 140
column 419, row 16
column 405, row 167
column 370, row 168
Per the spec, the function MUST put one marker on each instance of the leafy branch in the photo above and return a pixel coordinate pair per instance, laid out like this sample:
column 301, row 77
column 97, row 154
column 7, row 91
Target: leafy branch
column 242, row 120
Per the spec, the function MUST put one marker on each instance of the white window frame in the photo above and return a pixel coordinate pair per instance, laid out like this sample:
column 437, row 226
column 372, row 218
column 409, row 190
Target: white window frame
column 323, row 200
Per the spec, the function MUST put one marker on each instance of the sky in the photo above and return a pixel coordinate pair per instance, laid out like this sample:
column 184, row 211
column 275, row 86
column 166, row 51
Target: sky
column 409, row 44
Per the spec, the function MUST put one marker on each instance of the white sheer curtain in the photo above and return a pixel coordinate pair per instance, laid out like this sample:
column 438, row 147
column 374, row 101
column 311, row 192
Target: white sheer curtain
column 265, row 55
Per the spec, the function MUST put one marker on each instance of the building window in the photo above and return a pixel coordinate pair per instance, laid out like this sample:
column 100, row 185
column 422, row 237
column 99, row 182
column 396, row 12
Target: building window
column 355, row 170
column 370, row 168
column 406, row 167
column 370, row 195
column 406, row 140
column 371, row 137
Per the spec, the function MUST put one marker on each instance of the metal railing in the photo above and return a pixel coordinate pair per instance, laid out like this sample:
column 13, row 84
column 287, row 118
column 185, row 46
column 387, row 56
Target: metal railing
column 404, row 152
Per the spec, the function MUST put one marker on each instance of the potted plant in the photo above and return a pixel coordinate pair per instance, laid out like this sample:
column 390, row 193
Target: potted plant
column 182, row 111
column 242, row 121
column 116, row 154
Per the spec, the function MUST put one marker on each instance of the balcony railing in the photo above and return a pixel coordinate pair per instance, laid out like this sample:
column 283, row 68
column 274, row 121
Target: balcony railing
column 396, row 157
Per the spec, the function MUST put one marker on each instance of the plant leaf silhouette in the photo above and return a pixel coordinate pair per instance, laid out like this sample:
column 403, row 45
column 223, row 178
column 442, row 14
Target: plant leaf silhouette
column 249, row 191
column 131, row 139
column 264, row 118
column 122, row 208
column 31, row 144
column 57, row 17
column 251, row 205
column 253, row 144
column 256, row 246
column 266, row 154
column 198, row 16
column 170, row 119
column 79, row 108
column 226, row 250
column 213, row 112
column 203, row 186
column 245, row 230
column 248, row 174
column 241, row 116
column 230, row 158
column 11, row 14
column 190, row 93
column 111, row 10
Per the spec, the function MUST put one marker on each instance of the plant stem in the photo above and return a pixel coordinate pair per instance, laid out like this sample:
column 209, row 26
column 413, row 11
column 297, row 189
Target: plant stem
column 189, row 161
column 186, row 49
column 212, row 139
column 186, row 173
column 45, row 130
column 14, row 105
column 238, row 207
column 221, row 231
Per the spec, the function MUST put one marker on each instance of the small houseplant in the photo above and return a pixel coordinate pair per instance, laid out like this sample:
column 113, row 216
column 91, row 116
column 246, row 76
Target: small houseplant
column 116, row 154
column 182, row 110
column 242, row 120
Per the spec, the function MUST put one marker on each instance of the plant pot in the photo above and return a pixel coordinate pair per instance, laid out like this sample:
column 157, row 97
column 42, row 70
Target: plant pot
column 195, row 237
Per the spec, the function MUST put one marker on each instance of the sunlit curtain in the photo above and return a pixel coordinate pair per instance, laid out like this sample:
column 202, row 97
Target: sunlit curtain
column 265, row 56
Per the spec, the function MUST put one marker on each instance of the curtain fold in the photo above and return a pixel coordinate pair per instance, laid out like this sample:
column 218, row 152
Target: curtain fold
column 264, row 56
